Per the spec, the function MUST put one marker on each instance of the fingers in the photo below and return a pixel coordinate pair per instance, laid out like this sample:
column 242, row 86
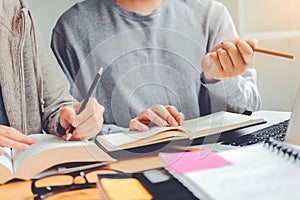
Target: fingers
column 10, row 137
column 89, row 122
column 179, row 117
column 229, row 59
column 166, row 115
column 135, row 124
column 246, row 51
column 253, row 43
column 158, row 115
column 67, row 117
column 146, row 117
column 92, row 110
column 149, row 116
column 212, row 67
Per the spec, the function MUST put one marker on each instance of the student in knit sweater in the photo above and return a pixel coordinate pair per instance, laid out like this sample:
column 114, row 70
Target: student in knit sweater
column 34, row 92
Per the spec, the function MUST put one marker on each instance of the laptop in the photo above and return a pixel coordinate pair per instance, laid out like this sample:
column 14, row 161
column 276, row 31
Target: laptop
column 282, row 126
column 293, row 131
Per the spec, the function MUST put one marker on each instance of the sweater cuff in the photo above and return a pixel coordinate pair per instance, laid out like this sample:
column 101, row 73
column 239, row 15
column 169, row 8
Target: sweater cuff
column 205, row 81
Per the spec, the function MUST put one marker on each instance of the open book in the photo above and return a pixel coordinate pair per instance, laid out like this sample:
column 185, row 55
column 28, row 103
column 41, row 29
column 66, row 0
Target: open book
column 191, row 129
column 49, row 151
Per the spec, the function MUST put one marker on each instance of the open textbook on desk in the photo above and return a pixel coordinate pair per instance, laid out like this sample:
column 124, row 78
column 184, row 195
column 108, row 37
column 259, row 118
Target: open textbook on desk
column 49, row 151
column 191, row 129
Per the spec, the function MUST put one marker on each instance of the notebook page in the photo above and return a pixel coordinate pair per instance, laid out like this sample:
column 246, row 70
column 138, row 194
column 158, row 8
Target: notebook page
column 257, row 173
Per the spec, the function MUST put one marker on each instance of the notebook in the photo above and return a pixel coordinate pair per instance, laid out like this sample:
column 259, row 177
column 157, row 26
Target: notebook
column 269, row 170
column 263, row 171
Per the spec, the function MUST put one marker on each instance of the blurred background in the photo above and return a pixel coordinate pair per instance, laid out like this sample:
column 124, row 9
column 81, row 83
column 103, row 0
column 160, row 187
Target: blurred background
column 274, row 23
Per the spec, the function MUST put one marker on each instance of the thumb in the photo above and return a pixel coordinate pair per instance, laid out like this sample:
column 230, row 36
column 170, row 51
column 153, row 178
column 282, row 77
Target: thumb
column 67, row 117
column 253, row 43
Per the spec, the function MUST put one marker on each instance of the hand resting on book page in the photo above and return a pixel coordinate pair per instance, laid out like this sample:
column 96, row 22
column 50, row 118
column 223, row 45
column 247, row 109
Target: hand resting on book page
column 12, row 138
column 159, row 115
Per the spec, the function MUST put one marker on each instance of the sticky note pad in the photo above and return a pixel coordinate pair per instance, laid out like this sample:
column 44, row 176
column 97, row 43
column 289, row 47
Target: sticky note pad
column 193, row 161
column 125, row 189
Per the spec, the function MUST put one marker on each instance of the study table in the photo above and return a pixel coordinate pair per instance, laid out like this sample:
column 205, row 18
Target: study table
column 22, row 189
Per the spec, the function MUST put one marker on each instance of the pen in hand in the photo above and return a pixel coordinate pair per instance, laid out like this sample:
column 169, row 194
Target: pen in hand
column 83, row 105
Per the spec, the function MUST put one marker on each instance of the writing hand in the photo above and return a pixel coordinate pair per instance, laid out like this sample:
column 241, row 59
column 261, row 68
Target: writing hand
column 159, row 115
column 228, row 59
column 12, row 138
column 88, row 123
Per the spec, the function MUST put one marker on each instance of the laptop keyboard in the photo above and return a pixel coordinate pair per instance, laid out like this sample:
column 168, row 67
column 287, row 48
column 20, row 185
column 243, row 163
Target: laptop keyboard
column 276, row 131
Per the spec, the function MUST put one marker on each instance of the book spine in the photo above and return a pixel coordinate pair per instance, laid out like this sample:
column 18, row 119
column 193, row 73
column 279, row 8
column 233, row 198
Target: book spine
column 283, row 149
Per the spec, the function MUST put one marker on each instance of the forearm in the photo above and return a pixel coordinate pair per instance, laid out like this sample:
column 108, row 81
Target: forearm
column 235, row 94
column 53, row 87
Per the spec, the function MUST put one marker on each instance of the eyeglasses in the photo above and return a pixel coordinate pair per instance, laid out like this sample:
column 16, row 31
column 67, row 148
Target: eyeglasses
column 52, row 185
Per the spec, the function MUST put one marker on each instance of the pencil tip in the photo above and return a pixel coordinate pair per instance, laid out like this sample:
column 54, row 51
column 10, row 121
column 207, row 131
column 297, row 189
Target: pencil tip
column 69, row 135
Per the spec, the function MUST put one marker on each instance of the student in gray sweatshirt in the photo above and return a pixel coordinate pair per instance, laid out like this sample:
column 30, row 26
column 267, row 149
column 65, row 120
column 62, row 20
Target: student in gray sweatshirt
column 164, row 60
column 34, row 93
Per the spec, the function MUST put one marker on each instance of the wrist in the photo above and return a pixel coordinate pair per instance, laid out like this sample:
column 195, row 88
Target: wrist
column 205, row 80
column 61, row 130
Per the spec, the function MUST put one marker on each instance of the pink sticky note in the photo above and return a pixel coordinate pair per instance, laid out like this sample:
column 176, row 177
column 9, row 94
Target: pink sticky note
column 193, row 161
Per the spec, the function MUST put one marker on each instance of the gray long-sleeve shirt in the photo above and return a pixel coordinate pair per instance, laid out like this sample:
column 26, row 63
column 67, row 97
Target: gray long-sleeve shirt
column 149, row 59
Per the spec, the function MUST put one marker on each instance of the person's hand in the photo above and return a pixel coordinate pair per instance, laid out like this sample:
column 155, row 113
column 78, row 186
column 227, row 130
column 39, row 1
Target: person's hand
column 87, row 124
column 159, row 115
column 228, row 59
column 12, row 138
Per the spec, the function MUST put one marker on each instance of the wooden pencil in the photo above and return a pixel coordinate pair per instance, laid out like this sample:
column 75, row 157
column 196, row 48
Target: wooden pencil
column 274, row 53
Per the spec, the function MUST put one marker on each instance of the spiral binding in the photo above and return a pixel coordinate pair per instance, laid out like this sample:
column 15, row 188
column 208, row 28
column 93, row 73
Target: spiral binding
column 284, row 149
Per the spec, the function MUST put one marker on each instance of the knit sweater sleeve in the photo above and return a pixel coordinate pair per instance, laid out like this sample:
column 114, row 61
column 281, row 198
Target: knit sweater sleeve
column 235, row 94
column 54, row 86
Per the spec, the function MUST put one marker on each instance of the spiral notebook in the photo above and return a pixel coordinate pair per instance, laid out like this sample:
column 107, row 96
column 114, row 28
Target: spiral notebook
column 263, row 171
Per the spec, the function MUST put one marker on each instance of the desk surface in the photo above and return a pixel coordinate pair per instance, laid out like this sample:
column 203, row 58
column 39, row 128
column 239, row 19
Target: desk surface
column 22, row 190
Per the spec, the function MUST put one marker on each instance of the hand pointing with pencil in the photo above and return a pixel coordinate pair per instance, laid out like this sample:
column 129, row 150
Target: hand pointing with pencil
column 87, row 124
column 228, row 59
column 233, row 57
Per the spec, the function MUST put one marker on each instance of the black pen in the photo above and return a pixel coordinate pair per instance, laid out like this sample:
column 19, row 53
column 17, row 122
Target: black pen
column 94, row 84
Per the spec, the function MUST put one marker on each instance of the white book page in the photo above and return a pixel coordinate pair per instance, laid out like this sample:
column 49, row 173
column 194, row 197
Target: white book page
column 51, row 150
column 44, row 143
column 5, row 159
column 6, row 168
column 218, row 122
column 118, row 139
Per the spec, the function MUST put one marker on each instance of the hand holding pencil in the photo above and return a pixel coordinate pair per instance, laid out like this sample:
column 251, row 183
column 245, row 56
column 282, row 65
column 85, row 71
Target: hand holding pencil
column 83, row 120
column 231, row 58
